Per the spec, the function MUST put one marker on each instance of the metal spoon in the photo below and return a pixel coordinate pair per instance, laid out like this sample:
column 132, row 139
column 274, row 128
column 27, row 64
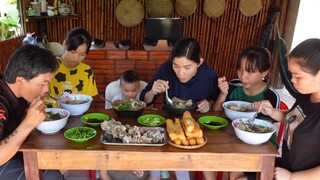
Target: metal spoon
column 106, row 100
column 169, row 101
column 253, row 118
column 54, row 97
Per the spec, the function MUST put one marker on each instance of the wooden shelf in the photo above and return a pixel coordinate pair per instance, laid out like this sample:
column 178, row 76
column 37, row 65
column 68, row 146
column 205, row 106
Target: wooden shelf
column 42, row 21
column 53, row 17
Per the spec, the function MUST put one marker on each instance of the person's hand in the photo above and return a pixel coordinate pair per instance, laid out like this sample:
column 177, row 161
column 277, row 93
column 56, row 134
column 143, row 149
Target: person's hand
column 281, row 174
column 203, row 106
column 159, row 86
column 223, row 85
column 36, row 113
column 264, row 107
column 138, row 173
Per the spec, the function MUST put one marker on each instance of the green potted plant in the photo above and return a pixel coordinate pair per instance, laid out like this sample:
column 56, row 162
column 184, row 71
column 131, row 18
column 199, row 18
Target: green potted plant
column 9, row 19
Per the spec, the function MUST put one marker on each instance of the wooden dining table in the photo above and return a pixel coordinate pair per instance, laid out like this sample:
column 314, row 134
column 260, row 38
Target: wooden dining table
column 222, row 152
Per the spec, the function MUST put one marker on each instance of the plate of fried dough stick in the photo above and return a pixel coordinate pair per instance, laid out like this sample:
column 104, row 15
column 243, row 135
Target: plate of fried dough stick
column 185, row 133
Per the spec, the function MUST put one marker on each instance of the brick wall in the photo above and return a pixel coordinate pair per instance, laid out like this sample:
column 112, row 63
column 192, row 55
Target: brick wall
column 109, row 64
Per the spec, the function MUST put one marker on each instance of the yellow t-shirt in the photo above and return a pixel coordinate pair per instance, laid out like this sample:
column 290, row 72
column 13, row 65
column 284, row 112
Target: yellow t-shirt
column 79, row 80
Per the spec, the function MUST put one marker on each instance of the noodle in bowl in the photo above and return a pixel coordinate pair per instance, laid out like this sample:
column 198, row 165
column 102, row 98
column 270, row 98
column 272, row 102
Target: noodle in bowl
column 238, row 109
column 262, row 132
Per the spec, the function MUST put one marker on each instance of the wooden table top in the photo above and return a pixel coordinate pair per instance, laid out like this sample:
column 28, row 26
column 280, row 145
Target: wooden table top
column 223, row 140
column 223, row 152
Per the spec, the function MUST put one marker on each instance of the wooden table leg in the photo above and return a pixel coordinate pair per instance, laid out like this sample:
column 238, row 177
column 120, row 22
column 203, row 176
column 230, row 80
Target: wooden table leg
column 31, row 168
column 267, row 168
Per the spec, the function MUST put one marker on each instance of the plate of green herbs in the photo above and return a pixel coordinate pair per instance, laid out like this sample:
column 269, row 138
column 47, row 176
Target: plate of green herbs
column 80, row 134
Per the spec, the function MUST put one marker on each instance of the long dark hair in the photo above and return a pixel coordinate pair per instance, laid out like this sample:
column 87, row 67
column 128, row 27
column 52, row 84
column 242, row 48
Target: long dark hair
column 258, row 58
column 189, row 48
column 307, row 55
column 76, row 37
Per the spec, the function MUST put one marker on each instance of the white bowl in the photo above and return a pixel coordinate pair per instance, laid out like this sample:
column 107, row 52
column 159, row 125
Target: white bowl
column 53, row 126
column 233, row 114
column 253, row 137
column 66, row 102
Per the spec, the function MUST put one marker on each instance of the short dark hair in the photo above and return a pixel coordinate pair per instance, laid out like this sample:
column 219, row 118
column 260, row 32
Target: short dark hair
column 189, row 48
column 76, row 37
column 257, row 57
column 129, row 76
column 307, row 55
column 29, row 61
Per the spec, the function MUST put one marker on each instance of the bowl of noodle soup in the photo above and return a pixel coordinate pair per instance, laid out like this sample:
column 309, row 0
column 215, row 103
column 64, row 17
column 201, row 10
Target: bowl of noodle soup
column 179, row 106
column 129, row 108
column 76, row 104
column 238, row 109
column 255, row 134
column 56, row 119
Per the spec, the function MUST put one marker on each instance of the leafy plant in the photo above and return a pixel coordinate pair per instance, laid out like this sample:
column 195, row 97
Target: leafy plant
column 9, row 19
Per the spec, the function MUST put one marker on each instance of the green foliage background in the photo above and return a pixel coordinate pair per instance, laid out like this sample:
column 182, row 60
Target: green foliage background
column 9, row 19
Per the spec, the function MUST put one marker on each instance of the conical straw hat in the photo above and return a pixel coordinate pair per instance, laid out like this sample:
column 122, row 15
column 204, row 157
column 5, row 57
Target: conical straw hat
column 159, row 8
column 214, row 8
column 250, row 7
column 129, row 13
column 56, row 48
column 185, row 7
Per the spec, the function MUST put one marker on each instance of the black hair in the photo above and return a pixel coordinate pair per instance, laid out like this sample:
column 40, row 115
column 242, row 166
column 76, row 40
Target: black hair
column 307, row 55
column 258, row 58
column 76, row 37
column 29, row 61
column 130, row 76
column 189, row 48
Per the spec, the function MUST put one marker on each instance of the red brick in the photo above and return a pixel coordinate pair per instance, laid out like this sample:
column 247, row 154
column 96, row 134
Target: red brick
column 149, row 72
column 137, row 55
column 102, row 87
column 145, row 73
column 104, row 71
column 146, row 65
column 159, row 55
column 100, row 76
column 115, row 62
column 100, row 80
column 116, row 55
column 96, row 54
column 89, row 62
column 159, row 63
column 119, row 71
column 104, row 64
column 111, row 78
column 143, row 77
column 124, row 65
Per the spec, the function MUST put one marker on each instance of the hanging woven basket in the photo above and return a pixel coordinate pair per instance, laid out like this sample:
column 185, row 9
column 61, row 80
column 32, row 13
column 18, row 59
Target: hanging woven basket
column 250, row 7
column 159, row 8
column 185, row 7
column 129, row 13
column 214, row 8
